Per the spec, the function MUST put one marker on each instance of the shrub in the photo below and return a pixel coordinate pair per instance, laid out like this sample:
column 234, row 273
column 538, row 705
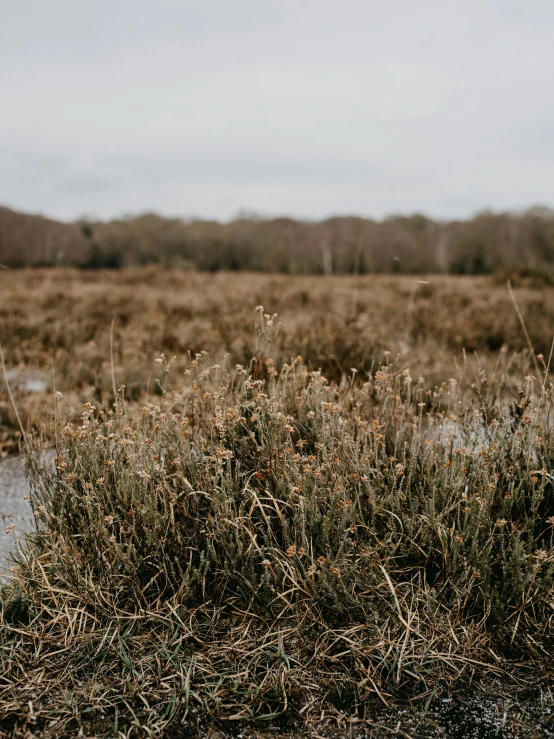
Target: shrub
column 262, row 542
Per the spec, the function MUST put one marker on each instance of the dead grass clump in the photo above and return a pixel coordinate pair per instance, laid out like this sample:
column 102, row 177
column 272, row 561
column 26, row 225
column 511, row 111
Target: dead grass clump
column 263, row 543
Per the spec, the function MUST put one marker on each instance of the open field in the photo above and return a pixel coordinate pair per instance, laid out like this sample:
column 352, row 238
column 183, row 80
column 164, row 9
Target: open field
column 55, row 328
column 332, row 515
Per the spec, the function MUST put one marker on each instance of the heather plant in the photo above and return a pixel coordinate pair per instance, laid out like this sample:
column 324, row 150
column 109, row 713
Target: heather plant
column 58, row 325
column 259, row 542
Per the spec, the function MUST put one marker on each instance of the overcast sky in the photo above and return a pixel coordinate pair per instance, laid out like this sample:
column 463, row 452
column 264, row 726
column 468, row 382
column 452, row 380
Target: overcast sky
column 299, row 107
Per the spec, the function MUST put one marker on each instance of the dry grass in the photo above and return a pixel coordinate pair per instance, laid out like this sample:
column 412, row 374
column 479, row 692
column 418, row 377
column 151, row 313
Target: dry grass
column 60, row 320
column 260, row 542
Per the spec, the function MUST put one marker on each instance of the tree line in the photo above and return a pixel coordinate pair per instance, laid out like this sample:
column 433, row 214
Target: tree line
column 485, row 244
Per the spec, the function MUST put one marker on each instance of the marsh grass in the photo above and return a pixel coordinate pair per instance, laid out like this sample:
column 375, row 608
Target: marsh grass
column 261, row 544
column 56, row 323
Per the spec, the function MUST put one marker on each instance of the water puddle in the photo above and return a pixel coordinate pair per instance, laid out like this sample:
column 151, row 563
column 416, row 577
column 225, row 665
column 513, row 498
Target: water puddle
column 16, row 515
column 30, row 381
column 15, row 509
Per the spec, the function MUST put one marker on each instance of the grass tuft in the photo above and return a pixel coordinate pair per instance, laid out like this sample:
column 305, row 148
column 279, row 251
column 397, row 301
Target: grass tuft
column 261, row 543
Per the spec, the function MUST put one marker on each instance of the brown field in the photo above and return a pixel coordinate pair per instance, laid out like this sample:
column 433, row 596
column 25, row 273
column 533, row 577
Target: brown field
column 55, row 325
column 355, row 551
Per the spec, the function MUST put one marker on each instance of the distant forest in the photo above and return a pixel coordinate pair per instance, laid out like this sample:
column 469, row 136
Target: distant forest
column 486, row 244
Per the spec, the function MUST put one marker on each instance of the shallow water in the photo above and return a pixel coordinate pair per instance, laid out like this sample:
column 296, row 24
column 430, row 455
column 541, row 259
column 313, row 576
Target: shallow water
column 16, row 514
column 15, row 509
column 31, row 381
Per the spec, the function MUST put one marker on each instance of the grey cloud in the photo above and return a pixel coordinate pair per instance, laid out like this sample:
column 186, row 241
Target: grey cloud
column 84, row 185
column 306, row 108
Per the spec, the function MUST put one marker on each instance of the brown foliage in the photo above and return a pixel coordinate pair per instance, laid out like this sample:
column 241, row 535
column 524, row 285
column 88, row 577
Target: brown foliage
column 342, row 245
column 60, row 320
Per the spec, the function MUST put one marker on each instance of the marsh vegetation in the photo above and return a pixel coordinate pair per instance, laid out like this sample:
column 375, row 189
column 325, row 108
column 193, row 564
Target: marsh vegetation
column 312, row 517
